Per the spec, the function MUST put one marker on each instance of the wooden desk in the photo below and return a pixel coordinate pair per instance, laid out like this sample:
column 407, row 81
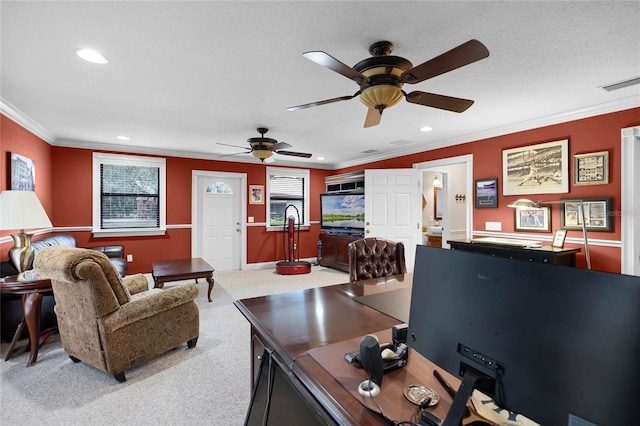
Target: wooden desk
column 32, row 291
column 300, row 325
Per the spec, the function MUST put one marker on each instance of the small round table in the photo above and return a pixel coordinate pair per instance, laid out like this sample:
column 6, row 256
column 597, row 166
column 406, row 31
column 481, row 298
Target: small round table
column 32, row 291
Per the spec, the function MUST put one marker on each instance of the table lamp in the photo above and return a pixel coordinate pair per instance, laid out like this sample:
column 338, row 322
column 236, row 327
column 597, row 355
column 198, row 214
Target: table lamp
column 523, row 202
column 21, row 210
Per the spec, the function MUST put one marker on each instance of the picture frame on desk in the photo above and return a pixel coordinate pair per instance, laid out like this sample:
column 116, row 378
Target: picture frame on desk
column 536, row 219
column 486, row 193
column 558, row 238
column 597, row 211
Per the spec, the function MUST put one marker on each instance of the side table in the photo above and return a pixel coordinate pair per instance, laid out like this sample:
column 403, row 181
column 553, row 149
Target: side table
column 31, row 291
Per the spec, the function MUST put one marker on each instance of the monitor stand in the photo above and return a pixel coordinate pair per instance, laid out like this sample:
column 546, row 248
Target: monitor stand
column 471, row 379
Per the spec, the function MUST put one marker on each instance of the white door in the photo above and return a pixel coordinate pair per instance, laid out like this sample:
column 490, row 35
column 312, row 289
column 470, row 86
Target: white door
column 392, row 205
column 218, row 226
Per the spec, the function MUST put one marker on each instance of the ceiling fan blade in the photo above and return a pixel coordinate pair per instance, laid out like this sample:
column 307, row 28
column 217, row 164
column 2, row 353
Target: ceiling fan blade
column 295, row 154
column 280, row 145
column 235, row 153
column 326, row 101
column 439, row 101
column 457, row 57
column 235, row 146
column 373, row 118
column 333, row 64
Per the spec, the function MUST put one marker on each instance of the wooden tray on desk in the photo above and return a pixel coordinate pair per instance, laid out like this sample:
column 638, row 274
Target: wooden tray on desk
column 418, row 371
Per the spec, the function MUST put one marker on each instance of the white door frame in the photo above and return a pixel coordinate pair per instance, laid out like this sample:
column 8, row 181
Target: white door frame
column 467, row 160
column 630, row 208
column 196, row 227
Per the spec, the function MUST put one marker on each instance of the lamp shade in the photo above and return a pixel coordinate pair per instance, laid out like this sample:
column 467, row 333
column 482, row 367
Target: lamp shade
column 523, row 202
column 22, row 210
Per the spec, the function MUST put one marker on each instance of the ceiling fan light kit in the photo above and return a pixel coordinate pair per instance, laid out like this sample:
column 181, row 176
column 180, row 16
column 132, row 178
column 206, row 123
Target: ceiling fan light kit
column 382, row 76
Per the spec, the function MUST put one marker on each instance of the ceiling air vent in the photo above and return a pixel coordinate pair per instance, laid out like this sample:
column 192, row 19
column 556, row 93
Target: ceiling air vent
column 369, row 151
column 621, row 84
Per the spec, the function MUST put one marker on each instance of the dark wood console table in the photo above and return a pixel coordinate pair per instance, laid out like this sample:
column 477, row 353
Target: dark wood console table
column 335, row 250
column 544, row 254
column 290, row 325
column 31, row 291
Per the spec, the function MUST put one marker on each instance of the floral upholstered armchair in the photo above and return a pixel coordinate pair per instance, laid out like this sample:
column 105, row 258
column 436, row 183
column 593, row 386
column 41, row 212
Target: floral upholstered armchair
column 112, row 323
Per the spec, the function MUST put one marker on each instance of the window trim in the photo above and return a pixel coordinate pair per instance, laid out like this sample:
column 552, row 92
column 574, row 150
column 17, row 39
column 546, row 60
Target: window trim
column 303, row 173
column 128, row 160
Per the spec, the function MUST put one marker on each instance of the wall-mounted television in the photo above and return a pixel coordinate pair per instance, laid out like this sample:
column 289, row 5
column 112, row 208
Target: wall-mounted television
column 342, row 213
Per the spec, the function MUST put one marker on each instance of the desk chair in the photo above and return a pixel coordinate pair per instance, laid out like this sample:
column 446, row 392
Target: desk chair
column 375, row 257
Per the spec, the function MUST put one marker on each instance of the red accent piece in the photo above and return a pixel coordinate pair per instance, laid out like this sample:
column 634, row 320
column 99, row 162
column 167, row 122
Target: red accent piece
column 293, row 268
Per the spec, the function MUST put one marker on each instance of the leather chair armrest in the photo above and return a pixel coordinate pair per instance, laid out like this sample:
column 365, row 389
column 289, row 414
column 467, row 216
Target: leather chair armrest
column 148, row 304
column 136, row 283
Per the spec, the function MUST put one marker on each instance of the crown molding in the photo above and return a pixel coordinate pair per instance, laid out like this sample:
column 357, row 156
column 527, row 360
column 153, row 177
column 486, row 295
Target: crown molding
column 25, row 121
column 618, row 105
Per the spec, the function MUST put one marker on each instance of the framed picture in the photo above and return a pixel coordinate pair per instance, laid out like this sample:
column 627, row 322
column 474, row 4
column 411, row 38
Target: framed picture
column 536, row 169
column 597, row 213
column 256, row 194
column 558, row 238
column 535, row 219
column 23, row 173
column 486, row 193
column 591, row 169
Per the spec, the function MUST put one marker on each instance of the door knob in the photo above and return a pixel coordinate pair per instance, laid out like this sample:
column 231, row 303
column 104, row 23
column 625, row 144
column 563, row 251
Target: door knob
column 368, row 231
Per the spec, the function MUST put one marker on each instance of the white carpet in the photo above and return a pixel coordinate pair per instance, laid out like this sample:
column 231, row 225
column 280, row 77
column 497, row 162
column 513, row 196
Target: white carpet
column 206, row 385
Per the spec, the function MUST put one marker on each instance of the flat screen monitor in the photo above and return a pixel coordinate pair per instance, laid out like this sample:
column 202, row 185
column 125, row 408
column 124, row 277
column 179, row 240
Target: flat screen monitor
column 562, row 344
column 342, row 213
column 281, row 399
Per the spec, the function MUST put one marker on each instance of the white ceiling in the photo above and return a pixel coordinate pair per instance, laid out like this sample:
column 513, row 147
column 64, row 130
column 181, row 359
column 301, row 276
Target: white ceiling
column 185, row 75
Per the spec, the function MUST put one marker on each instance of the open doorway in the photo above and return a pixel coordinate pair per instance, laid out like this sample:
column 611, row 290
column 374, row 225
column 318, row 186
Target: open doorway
column 452, row 212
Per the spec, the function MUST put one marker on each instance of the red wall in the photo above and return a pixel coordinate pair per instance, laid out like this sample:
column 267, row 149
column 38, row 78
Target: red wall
column 599, row 133
column 67, row 198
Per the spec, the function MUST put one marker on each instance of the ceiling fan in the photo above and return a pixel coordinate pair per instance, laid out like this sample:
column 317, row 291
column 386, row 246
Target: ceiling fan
column 263, row 148
column 381, row 78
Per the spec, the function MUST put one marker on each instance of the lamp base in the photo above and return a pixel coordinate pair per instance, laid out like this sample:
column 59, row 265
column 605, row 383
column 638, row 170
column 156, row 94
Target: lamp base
column 20, row 253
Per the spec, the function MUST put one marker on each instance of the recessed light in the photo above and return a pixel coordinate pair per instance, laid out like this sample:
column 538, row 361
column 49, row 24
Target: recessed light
column 91, row 56
column 123, row 138
column 426, row 129
column 320, row 158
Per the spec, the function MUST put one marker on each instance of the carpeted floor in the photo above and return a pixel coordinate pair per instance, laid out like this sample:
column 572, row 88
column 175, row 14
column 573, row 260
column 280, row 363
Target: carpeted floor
column 207, row 385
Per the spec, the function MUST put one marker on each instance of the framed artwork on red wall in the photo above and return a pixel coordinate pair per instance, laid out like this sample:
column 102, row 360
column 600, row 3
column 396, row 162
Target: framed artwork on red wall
column 23, row 173
column 537, row 219
column 597, row 214
column 591, row 168
column 536, row 169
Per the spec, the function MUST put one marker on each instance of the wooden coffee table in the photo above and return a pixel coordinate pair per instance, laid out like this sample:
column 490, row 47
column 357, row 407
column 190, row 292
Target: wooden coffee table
column 182, row 269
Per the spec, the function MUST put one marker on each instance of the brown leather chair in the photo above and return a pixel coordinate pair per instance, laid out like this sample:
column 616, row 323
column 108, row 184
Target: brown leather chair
column 375, row 257
column 110, row 322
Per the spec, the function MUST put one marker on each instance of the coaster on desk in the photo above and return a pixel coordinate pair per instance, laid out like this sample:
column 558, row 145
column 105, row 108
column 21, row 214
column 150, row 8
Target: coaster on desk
column 416, row 394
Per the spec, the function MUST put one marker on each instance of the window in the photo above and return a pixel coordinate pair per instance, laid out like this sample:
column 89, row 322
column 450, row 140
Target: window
column 287, row 187
column 128, row 195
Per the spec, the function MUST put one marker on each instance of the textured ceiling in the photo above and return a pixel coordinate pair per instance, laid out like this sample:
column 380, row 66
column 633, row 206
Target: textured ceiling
column 185, row 76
